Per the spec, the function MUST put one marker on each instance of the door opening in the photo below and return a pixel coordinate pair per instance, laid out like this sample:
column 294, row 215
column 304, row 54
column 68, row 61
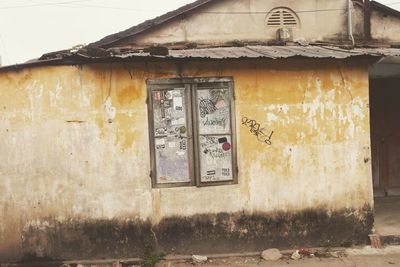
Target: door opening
column 385, row 147
column 385, row 136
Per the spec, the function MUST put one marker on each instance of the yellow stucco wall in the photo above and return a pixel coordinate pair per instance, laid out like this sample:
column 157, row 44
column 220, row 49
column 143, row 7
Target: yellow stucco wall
column 61, row 159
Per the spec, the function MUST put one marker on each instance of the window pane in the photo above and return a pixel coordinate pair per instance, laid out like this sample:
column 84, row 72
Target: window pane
column 215, row 158
column 170, row 131
column 169, row 112
column 214, row 111
column 172, row 160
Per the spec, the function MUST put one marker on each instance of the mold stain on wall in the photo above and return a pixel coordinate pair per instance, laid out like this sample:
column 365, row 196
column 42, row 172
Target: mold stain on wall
column 202, row 233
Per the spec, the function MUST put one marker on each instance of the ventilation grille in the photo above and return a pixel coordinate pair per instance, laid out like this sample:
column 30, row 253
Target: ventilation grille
column 282, row 17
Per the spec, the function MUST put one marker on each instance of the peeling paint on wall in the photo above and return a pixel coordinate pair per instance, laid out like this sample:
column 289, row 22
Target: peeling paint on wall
column 110, row 110
column 63, row 164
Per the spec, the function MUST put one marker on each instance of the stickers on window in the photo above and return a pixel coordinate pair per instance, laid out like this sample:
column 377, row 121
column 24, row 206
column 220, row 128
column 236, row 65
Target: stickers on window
column 170, row 130
column 215, row 158
column 214, row 111
column 160, row 144
column 172, row 165
column 179, row 121
column 178, row 103
column 169, row 112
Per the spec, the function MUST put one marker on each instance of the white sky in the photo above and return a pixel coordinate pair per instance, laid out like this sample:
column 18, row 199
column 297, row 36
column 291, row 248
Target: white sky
column 30, row 28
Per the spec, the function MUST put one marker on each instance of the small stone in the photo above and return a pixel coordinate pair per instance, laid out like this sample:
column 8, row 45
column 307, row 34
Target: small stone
column 337, row 254
column 272, row 254
column 334, row 254
column 199, row 258
column 296, row 255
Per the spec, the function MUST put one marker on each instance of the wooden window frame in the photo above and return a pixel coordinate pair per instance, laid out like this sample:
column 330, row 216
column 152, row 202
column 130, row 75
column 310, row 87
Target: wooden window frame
column 191, row 89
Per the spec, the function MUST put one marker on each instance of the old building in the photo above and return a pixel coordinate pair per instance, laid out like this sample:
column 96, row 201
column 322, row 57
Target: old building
column 221, row 126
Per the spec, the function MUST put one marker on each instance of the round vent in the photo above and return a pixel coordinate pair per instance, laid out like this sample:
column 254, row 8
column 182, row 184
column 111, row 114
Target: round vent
column 282, row 17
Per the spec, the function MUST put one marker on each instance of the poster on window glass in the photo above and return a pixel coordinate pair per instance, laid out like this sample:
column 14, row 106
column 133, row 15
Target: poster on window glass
column 214, row 111
column 215, row 158
column 170, row 132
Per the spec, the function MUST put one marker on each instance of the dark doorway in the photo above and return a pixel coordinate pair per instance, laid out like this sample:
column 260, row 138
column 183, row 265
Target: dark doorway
column 385, row 135
column 385, row 147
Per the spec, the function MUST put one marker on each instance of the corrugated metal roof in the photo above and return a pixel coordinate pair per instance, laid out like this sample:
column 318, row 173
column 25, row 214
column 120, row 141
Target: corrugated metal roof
column 216, row 53
column 269, row 52
column 387, row 52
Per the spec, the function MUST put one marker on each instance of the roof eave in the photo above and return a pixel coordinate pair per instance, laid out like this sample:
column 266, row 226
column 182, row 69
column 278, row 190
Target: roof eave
column 385, row 9
column 212, row 54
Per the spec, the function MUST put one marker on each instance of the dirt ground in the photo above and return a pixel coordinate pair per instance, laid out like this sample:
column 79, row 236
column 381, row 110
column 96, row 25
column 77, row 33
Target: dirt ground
column 349, row 261
column 337, row 257
column 365, row 257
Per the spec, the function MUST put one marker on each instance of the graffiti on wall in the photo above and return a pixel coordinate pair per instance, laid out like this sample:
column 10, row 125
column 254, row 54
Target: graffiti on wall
column 255, row 128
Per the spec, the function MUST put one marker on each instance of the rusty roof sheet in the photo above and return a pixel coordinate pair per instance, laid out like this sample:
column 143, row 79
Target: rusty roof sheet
column 268, row 52
column 387, row 52
column 215, row 53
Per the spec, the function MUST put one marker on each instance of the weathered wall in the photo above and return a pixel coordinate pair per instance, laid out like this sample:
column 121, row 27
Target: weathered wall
column 75, row 176
column 358, row 21
column 385, row 27
column 320, row 20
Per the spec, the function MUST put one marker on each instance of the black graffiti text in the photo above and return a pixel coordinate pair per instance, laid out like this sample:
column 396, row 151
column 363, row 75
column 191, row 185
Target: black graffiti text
column 215, row 153
column 255, row 128
column 215, row 122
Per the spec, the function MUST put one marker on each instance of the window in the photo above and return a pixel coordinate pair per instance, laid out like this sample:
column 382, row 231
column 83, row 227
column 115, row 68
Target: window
column 192, row 140
column 282, row 17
